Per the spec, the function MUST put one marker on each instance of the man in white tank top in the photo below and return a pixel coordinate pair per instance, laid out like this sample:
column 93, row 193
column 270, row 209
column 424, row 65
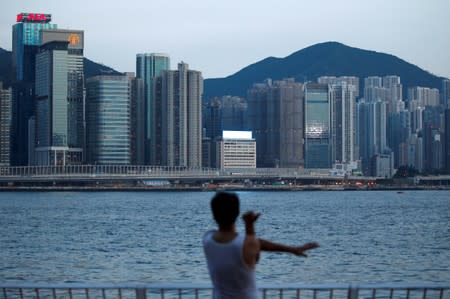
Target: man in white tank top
column 231, row 257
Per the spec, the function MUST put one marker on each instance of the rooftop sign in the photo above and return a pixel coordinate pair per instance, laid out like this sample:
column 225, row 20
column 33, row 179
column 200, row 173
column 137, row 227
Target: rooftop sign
column 245, row 135
column 34, row 18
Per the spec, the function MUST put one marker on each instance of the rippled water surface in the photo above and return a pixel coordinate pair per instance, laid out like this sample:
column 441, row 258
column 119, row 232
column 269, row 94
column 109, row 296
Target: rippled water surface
column 375, row 236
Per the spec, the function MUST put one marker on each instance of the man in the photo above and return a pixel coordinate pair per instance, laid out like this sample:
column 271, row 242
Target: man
column 231, row 257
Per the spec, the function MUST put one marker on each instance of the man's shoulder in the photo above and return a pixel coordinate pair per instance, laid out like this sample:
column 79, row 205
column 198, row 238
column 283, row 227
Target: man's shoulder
column 208, row 235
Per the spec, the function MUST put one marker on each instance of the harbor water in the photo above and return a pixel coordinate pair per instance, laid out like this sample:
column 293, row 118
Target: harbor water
column 365, row 236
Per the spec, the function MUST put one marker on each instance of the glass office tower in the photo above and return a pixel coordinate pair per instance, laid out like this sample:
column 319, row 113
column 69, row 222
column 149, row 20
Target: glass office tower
column 108, row 120
column 148, row 67
column 59, row 99
column 317, row 126
column 25, row 45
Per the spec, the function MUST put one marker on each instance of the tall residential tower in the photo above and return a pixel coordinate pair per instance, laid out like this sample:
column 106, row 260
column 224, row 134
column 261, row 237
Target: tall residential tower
column 178, row 131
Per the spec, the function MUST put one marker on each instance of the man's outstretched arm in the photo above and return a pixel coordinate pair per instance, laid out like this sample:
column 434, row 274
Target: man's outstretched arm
column 251, row 242
column 266, row 245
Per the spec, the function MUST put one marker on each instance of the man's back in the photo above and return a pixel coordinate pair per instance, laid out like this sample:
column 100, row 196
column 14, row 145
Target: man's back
column 230, row 275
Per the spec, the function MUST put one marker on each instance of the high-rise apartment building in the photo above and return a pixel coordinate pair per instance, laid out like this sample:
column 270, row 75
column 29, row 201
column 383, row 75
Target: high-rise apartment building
column 275, row 112
column 178, row 127
column 225, row 113
column 318, row 126
column 5, row 125
column 59, row 102
column 148, row 67
column 431, row 134
column 399, row 131
column 350, row 80
column 343, row 123
column 394, row 93
column 424, row 96
column 26, row 40
column 372, row 138
column 373, row 89
column 108, row 120
column 212, row 119
column 234, row 113
column 445, row 93
column 219, row 114
column 446, row 154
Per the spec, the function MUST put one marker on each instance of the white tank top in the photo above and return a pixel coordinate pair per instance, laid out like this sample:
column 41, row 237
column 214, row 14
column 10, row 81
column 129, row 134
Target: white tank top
column 229, row 274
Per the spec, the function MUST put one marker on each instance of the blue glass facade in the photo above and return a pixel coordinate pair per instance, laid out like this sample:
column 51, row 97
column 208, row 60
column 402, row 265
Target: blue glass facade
column 26, row 34
column 148, row 68
column 25, row 45
column 108, row 122
column 317, row 126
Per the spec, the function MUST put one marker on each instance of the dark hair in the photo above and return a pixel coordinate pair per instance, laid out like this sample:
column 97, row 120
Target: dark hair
column 225, row 208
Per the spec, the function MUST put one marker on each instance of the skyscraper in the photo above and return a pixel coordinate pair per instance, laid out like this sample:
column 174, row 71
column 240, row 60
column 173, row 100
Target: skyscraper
column 394, row 93
column 5, row 125
column 446, row 154
column 59, row 103
column 445, row 96
column 178, row 131
column 108, row 120
column 26, row 41
column 343, row 103
column 350, row 80
column 399, row 132
column 234, row 113
column 276, row 118
column 424, row 96
column 318, row 126
column 137, row 120
column 148, row 68
column 372, row 121
column 212, row 118
column 25, row 45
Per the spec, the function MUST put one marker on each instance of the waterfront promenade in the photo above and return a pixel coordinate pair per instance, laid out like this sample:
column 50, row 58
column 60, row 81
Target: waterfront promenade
column 119, row 177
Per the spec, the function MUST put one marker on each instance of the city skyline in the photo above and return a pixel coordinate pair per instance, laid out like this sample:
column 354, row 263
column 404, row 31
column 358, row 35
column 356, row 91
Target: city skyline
column 219, row 39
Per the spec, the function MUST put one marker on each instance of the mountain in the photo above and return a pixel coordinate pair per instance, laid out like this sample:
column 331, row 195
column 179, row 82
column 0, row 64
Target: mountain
column 325, row 59
column 91, row 68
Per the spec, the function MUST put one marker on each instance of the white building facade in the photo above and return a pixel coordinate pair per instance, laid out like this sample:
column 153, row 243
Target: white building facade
column 237, row 149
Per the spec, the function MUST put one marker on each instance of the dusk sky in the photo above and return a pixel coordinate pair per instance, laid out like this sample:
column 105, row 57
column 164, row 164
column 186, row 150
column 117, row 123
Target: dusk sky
column 220, row 37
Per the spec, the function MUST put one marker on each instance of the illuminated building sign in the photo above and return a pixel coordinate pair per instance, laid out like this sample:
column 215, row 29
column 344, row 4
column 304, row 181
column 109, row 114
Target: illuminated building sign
column 244, row 135
column 74, row 39
column 34, row 18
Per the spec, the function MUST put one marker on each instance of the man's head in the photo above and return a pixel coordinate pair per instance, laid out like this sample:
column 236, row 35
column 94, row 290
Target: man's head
column 225, row 208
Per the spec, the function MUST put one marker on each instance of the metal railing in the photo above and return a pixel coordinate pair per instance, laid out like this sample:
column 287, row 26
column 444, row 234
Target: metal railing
column 144, row 170
column 166, row 290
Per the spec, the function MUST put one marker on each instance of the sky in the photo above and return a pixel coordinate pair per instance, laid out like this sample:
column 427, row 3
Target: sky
column 220, row 37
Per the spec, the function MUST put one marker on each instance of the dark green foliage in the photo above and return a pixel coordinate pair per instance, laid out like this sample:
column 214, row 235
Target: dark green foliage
column 326, row 59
